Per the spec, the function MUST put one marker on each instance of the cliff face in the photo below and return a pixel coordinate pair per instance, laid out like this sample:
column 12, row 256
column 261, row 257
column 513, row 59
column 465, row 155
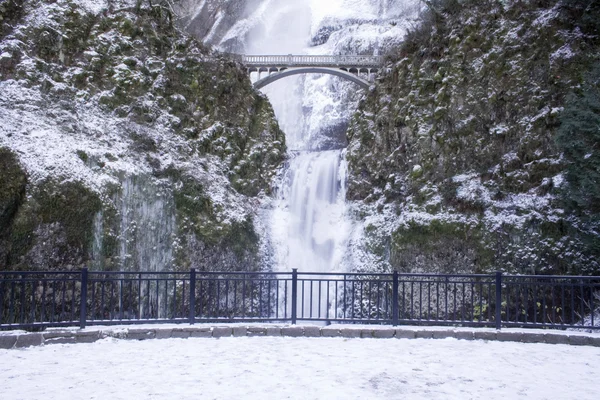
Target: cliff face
column 463, row 157
column 127, row 144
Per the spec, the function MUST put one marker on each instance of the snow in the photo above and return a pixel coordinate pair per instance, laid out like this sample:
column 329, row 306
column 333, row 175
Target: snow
column 300, row 368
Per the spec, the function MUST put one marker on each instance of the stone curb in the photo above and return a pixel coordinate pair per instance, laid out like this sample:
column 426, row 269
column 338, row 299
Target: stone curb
column 26, row 339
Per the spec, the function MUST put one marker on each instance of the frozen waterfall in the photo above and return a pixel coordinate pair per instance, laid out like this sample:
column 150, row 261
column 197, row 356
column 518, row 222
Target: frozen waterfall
column 309, row 225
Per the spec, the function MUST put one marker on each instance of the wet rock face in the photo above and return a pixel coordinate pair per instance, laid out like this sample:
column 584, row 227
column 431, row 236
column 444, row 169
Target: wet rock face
column 126, row 144
column 13, row 181
column 331, row 137
column 455, row 151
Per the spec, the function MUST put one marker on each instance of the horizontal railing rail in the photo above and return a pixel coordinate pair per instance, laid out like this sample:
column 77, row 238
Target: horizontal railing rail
column 31, row 299
column 311, row 60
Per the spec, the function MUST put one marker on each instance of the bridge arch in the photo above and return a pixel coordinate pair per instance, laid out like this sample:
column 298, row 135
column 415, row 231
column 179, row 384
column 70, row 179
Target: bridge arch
column 283, row 73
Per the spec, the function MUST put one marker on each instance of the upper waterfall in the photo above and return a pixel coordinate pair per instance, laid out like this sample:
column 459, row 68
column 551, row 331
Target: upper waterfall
column 309, row 228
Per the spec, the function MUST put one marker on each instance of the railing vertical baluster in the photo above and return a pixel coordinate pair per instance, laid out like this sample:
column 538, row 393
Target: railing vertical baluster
column 261, row 298
column 121, row 299
column 217, row 298
column 184, row 293
column 285, row 298
column 517, row 300
column 412, row 313
column 562, row 303
column 481, row 302
column 2, row 302
column 327, row 295
column 544, row 314
column 472, row 319
column 454, row 294
column 319, row 301
column 421, row 299
column 302, row 300
column 21, row 314
column 33, row 307
column 508, row 303
column 498, row 299
column 53, row 301
column 192, row 314
column 226, row 311
column 403, row 309
column 553, row 305
column 582, row 302
column 353, row 299
column 310, row 310
column 277, row 282
column 102, row 294
column 174, row 313
column 428, row 315
column 447, row 281
column 201, row 299
column 148, row 314
column 592, row 305
column 336, row 298
column 139, row 303
column 244, row 296
column 11, row 307
column 93, row 302
column 294, row 294
column 344, row 304
column 269, row 313
column 395, row 300
column 43, row 308
column 84, row 282
column 111, row 300
column 572, row 287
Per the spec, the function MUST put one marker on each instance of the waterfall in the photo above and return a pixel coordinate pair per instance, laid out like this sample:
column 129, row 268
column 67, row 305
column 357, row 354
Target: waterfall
column 309, row 227
column 145, row 225
column 312, row 195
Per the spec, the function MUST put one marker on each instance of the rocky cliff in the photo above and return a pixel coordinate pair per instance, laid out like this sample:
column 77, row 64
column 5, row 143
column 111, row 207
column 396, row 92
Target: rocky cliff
column 478, row 149
column 125, row 143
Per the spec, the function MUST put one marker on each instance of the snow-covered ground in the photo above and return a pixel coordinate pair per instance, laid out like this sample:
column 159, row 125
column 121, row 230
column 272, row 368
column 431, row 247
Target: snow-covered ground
column 300, row 368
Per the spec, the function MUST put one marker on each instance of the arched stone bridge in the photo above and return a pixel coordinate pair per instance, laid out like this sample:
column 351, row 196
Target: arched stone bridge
column 358, row 69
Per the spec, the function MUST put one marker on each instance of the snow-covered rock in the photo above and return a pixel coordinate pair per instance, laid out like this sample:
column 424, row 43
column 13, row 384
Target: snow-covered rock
column 131, row 145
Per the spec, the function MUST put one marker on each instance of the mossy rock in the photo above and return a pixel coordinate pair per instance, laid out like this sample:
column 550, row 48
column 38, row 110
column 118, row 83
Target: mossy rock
column 13, row 180
column 54, row 208
column 440, row 246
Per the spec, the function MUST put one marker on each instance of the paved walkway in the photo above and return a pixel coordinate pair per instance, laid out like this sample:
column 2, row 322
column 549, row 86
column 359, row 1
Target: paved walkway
column 19, row 339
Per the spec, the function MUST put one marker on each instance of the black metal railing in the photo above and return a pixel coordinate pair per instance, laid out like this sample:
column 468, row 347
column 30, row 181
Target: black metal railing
column 42, row 299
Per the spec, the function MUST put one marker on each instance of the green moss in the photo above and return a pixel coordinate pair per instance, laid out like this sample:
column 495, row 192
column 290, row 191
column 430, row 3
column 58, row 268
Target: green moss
column 438, row 246
column 13, row 180
column 190, row 200
column 21, row 234
column 242, row 238
column 67, row 206
column 82, row 155
column 12, row 186
column 70, row 204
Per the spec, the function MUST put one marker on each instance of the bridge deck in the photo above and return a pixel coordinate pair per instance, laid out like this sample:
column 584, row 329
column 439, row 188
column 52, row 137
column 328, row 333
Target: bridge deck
column 306, row 60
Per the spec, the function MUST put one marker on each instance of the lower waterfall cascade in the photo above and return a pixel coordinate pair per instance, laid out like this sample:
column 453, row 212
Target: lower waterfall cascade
column 309, row 222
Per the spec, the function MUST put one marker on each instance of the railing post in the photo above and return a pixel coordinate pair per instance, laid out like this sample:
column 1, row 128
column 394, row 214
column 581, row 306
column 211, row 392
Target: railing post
column 192, row 296
column 395, row 299
column 83, row 297
column 294, row 295
column 498, row 299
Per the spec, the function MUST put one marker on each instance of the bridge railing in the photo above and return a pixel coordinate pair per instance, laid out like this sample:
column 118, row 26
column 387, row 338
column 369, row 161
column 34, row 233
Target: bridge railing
column 43, row 299
column 312, row 60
